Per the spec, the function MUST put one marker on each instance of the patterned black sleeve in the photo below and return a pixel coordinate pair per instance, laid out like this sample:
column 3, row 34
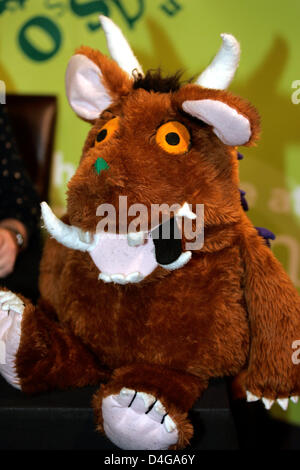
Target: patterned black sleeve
column 18, row 199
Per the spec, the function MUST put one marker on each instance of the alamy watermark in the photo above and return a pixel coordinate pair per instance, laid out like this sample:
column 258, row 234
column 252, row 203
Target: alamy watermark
column 296, row 94
column 160, row 221
column 296, row 354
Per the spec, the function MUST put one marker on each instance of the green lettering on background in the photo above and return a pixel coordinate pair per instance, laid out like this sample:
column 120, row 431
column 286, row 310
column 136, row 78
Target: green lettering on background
column 50, row 28
column 11, row 5
column 130, row 19
column 88, row 8
column 171, row 7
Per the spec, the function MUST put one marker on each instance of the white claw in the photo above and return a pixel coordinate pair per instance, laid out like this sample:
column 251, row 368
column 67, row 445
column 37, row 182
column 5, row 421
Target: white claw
column 10, row 301
column 147, row 398
column 295, row 399
column 159, row 408
column 268, row 403
column 126, row 391
column 283, row 402
column 169, row 424
column 251, row 397
column 6, row 295
column 5, row 306
column 125, row 397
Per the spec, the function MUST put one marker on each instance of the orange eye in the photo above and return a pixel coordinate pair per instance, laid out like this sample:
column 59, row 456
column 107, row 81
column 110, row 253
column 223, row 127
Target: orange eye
column 173, row 137
column 107, row 131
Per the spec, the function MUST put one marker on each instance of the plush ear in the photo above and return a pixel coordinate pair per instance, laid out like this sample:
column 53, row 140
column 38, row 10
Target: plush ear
column 233, row 120
column 93, row 82
column 231, row 127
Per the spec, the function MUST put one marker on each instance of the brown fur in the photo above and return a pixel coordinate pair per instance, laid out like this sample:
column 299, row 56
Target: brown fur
column 231, row 310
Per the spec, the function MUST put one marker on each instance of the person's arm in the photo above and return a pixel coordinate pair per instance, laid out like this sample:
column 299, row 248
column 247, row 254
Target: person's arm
column 13, row 239
column 19, row 203
column 18, row 229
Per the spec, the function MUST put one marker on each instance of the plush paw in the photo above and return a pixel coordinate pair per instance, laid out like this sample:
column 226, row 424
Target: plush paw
column 268, row 402
column 11, row 310
column 138, row 421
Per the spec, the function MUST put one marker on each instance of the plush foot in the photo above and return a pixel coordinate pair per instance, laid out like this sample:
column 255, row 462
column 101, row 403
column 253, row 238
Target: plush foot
column 136, row 421
column 11, row 311
column 268, row 402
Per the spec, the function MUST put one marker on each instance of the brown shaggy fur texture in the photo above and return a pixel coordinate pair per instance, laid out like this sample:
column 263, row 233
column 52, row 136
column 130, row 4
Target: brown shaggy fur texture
column 231, row 310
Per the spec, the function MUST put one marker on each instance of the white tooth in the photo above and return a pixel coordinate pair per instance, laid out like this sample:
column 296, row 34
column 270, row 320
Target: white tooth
column 268, row 403
column 136, row 238
column 294, row 399
column 283, row 402
column 185, row 211
column 104, row 277
column 159, row 407
column 169, row 424
column 251, row 397
column 147, row 398
column 134, row 277
column 119, row 278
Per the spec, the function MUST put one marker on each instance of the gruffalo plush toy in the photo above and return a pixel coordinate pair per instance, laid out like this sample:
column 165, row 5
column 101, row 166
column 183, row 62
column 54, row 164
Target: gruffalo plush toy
column 144, row 317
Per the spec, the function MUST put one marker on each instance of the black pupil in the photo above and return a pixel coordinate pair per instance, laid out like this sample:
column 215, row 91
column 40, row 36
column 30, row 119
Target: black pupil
column 102, row 134
column 172, row 138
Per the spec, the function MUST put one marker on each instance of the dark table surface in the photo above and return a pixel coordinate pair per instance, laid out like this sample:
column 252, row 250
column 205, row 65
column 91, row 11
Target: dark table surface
column 64, row 420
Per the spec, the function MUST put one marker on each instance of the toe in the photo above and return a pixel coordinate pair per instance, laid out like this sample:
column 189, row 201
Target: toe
column 125, row 396
column 142, row 402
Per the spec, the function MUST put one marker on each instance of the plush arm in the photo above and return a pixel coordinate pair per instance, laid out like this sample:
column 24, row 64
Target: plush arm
column 273, row 306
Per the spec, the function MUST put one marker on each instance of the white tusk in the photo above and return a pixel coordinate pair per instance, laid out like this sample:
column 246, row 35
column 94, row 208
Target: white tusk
column 220, row 72
column 118, row 47
column 185, row 211
column 67, row 235
column 294, row 399
column 179, row 262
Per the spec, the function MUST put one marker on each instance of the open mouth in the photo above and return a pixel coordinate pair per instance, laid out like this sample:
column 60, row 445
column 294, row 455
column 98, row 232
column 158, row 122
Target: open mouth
column 125, row 259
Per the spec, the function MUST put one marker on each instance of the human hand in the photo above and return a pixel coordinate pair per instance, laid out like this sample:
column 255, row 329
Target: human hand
column 8, row 252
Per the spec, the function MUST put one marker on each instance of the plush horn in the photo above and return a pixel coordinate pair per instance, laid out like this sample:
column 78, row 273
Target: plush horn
column 220, row 72
column 118, row 47
column 67, row 235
